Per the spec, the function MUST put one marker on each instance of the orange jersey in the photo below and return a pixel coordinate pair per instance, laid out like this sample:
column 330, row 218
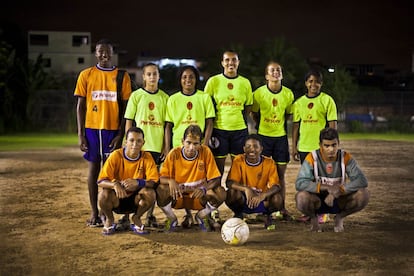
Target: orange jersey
column 261, row 177
column 98, row 86
column 119, row 167
column 191, row 173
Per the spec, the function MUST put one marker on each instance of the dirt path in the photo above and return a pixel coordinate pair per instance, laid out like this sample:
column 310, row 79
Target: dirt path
column 44, row 205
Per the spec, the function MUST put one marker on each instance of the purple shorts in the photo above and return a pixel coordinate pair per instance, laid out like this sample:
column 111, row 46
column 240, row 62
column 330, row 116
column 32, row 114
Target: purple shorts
column 98, row 144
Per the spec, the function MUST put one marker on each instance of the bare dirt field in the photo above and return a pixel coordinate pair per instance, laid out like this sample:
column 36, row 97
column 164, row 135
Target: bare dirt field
column 44, row 206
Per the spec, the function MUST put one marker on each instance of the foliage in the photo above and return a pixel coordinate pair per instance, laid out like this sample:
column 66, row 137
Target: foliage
column 341, row 86
column 253, row 61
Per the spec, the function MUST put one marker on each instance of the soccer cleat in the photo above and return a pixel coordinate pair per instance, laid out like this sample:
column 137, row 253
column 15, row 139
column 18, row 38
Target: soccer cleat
column 188, row 221
column 170, row 225
column 203, row 223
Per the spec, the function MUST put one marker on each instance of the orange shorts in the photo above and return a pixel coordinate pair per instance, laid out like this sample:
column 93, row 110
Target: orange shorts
column 187, row 202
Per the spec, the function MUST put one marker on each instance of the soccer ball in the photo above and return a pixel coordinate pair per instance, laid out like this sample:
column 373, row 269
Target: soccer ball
column 235, row 231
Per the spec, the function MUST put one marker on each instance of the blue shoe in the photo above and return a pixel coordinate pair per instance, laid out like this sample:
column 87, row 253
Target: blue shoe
column 170, row 225
column 203, row 223
column 139, row 230
column 106, row 231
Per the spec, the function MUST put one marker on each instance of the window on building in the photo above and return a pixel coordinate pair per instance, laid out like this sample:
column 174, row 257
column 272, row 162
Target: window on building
column 39, row 39
column 79, row 40
column 81, row 60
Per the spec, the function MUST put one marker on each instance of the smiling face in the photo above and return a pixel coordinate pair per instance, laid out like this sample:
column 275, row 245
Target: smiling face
column 252, row 149
column 188, row 81
column 230, row 63
column 103, row 53
column 274, row 72
column 313, row 84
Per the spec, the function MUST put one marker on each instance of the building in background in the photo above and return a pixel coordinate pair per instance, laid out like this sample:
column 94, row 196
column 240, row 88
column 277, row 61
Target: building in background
column 62, row 52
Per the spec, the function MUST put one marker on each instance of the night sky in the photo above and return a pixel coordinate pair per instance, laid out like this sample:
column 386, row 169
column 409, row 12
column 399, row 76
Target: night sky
column 347, row 32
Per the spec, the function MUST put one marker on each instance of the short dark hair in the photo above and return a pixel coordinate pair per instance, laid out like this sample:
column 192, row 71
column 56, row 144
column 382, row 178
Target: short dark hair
column 194, row 70
column 104, row 41
column 135, row 129
column 254, row 136
column 194, row 130
column 316, row 73
column 328, row 134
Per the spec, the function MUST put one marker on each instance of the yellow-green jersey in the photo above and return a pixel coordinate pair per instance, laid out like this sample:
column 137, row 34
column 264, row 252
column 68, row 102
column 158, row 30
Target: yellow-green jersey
column 183, row 110
column 272, row 108
column 148, row 110
column 230, row 96
column 313, row 113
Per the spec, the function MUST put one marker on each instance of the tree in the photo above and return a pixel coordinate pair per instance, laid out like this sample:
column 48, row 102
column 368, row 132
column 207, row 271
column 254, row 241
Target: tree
column 254, row 60
column 341, row 86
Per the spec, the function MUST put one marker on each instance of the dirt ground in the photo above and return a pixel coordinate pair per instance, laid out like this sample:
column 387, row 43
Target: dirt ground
column 44, row 206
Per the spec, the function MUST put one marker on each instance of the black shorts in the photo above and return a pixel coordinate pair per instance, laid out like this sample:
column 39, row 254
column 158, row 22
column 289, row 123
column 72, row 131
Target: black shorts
column 277, row 148
column 224, row 142
column 127, row 205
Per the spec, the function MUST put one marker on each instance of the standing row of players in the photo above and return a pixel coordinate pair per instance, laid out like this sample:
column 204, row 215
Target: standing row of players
column 221, row 112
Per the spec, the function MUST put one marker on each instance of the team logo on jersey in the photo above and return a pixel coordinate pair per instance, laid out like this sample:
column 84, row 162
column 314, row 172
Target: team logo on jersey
column 189, row 105
column 230, row 86
column 151, row 106
column 201, row 166
column 189, row 117
column 329, row 168
column 151, row 117
column 309, row 117
column 310, row 105
column 231, row 98
column 274, row 102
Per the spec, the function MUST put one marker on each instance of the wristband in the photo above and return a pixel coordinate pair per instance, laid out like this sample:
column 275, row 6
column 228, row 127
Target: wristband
column 140, row 183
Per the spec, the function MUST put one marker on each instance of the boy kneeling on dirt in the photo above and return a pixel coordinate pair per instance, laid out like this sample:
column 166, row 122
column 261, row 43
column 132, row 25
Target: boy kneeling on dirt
column 128, row 180
column 322, row 186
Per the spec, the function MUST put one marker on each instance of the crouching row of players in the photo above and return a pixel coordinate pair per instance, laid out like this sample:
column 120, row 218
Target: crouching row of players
column 189, row 179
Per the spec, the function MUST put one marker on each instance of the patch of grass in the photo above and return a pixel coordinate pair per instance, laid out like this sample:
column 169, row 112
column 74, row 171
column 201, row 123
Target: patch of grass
column 26, row 141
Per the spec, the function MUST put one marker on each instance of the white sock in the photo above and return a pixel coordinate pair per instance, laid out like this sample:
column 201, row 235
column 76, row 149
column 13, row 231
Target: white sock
column 168, row 211
column 206, row 211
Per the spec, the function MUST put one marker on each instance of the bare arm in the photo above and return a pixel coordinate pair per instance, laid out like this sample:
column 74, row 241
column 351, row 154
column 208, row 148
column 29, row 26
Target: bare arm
column 295, row 137
column 80, row 116
column 208, row 130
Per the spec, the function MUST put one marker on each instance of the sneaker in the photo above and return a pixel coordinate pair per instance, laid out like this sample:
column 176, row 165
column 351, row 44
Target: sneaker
column 203, row 223
column 323, row 218
column 123, row 224
column 170, row 225
column 188, row 221
column 106, row 231
column 151, row 221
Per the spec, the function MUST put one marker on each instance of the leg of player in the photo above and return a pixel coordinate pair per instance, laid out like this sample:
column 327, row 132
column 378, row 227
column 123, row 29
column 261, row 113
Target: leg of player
column 144, row 200
column 95, row 220
column 349, row 204
column 106, row 200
